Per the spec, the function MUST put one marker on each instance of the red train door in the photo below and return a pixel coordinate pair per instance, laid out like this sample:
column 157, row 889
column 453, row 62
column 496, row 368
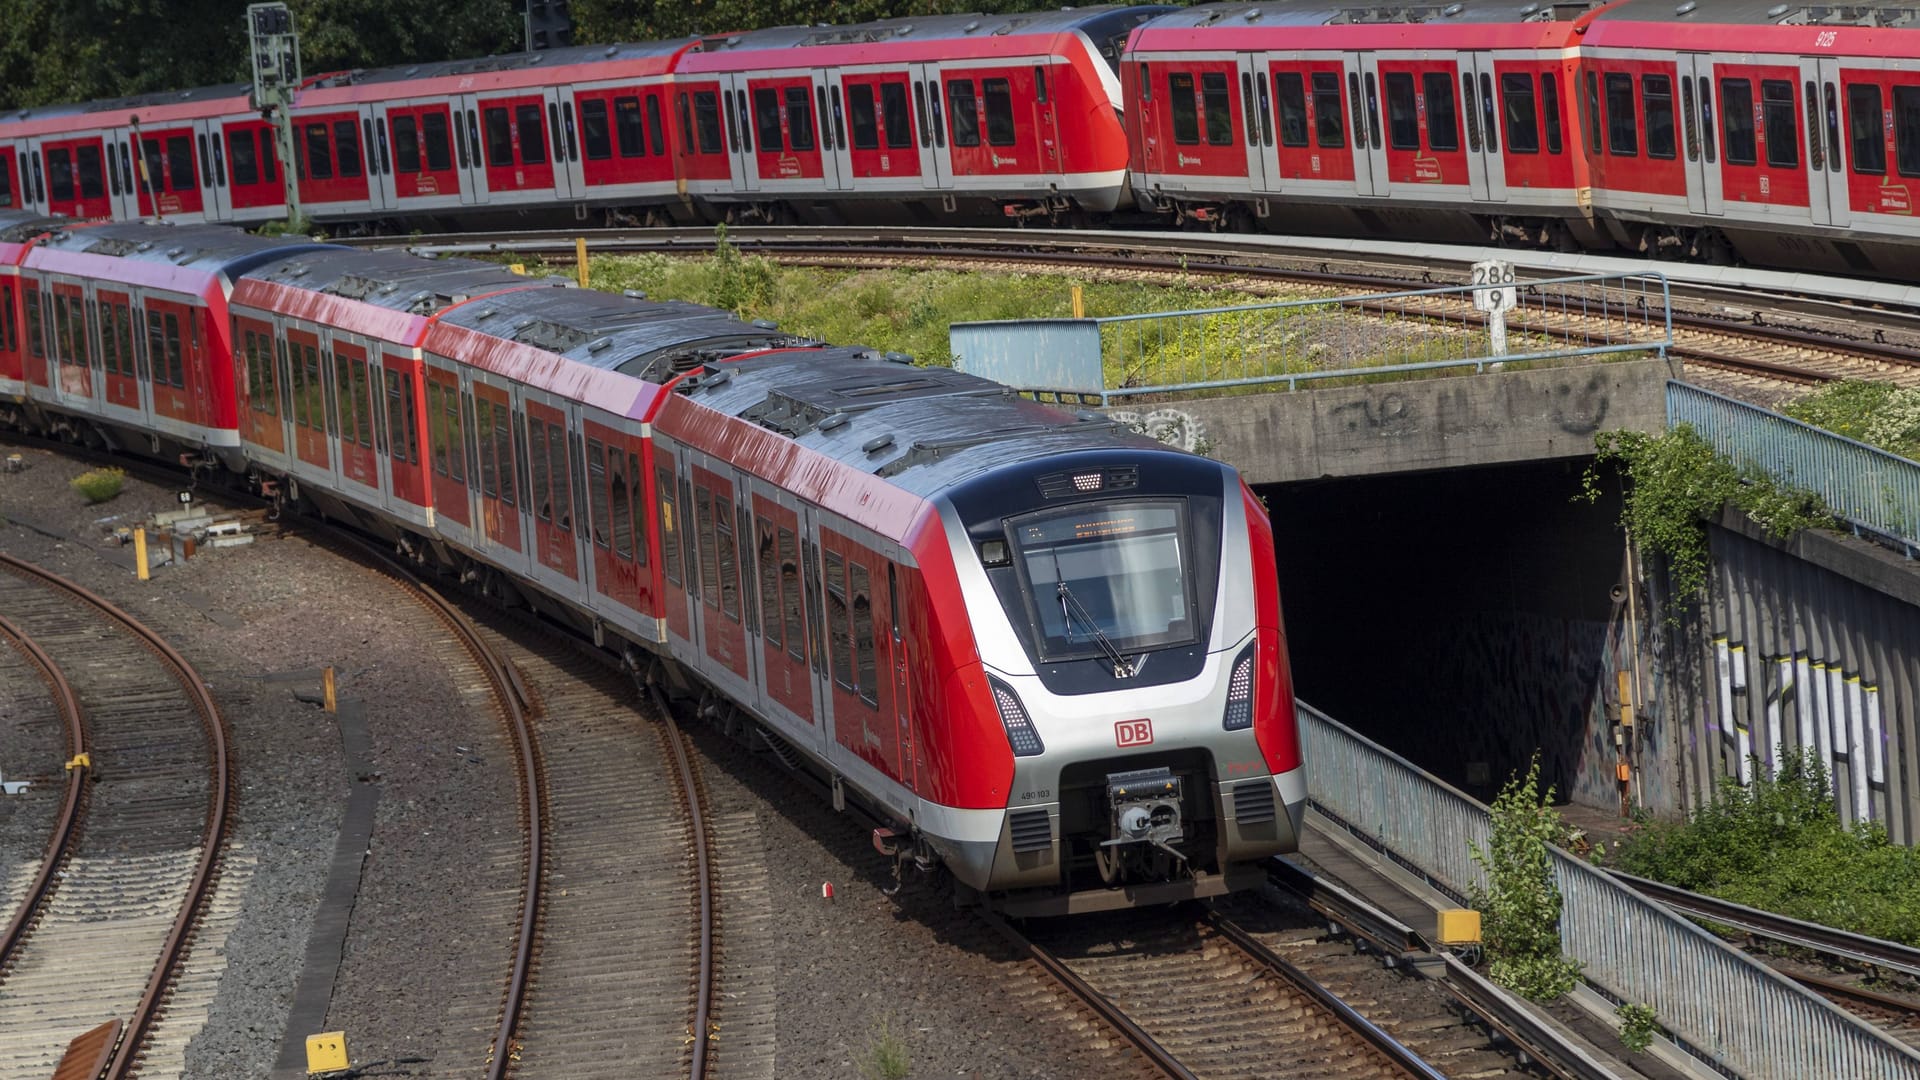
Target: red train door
column 426, row 167
column 1310, row 123
column 677, row 584
column 406, row 474
column 613, row 463
column 1370, row 172
column 716, row 531
column 446, row 445
column 734, row 116
column 10, row 198
column 354, row 405
column 116, row 350
column 171, row 179
column 254, row 376
column 859, row 653
column 882, row 138
column 253, row 167
column 1704, row 194
column 1256, row 110
column 513, row 143
column 307, row 388
column 1422, row 121
column 1827, row 174
column 1486, row 170
column 493, row 444
column 75, row 382
column 831, row 116
column 783, row 633
column 550, row 491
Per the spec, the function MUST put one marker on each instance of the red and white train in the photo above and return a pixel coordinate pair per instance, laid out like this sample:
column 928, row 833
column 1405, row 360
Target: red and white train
column 1786, row 135
column 1048, row 653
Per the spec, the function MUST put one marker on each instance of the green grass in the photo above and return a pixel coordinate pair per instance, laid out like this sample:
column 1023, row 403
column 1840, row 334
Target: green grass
column 99, row 485
column 1876, row 413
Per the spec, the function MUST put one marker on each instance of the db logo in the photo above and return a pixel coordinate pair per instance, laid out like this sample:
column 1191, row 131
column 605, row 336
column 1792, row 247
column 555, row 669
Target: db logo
column 1132, row 733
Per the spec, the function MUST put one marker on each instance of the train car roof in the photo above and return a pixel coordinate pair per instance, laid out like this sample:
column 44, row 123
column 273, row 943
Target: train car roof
column 1759, row 13
column 158, row 109
column 1095, row 22
column 213, row 248
column 922, row 429
column 20, row 226
column 1276, row 24
column 1321, row 13
column 572, row 64
column 652, row 340
column 395, row 280
column 1770, row 26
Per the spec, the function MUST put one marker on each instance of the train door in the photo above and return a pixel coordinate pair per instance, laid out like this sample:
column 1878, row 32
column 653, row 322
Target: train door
column 426, row 171
column 563, row 144
column 496, row 463
column 122, row 388
column 735, row 114
column 9, row 180
column 33, row 177
column 1486, row 169
column 360, row 465
column 550, row 494
column 836, row 166
column 123, row 177
column 892, row 608
column 1256, row 109
column 373, row 136
column 783, row 636
column 472, row 159
column 216, row 198
column 1369, row 149
column 677, row 584
column 69, row 373
column 814, row 607
column 936, row 165
column 1820, row 94
column 1704, row 193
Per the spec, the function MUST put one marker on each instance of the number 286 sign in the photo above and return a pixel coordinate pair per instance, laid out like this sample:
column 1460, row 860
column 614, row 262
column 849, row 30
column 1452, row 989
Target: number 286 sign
column 1493, row 288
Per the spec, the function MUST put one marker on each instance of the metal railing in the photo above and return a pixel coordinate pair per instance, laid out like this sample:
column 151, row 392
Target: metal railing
column 1870, row 489
column 1738, row 1014
column 1287, row 343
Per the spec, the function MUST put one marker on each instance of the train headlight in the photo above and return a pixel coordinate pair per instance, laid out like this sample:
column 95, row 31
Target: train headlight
column 1021, row 734
column 1239, row 715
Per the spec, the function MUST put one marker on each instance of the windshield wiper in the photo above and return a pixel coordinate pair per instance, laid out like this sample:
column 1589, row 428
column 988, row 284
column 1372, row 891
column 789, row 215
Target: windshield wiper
column 1069, row 606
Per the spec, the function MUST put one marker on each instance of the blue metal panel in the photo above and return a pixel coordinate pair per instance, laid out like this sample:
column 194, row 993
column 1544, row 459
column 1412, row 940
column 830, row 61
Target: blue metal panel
column 1032, row 354
column 1870, row 489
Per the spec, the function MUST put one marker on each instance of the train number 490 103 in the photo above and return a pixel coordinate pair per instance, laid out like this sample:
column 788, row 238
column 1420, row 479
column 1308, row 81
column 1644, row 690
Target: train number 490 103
column 1132, row 733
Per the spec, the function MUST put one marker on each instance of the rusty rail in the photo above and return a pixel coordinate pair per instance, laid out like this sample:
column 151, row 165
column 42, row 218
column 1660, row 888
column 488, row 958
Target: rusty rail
column 66, row 828
column 703, row 988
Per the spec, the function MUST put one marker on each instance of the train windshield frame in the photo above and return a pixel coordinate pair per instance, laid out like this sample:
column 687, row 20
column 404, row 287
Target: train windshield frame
column 1126, row 567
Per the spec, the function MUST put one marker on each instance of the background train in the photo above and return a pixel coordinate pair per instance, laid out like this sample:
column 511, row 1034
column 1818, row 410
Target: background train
column 1047, row 652
column 1715, row 129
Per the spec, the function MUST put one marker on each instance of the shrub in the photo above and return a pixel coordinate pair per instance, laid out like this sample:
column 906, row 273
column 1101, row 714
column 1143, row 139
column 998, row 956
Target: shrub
column 886, row 1057
column 1879, row 414
column 99, row 485
column 1637, row 1026
column 1520, row 905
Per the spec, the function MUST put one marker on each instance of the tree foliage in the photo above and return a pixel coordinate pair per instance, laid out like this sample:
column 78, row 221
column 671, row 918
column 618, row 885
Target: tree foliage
column 1520, row 905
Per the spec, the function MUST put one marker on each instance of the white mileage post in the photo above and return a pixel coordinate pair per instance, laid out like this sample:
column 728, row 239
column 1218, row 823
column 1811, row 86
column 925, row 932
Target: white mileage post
column 1495, row 294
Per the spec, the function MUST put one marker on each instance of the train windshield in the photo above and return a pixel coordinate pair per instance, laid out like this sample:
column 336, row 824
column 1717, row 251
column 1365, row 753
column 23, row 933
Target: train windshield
column 1105, row 577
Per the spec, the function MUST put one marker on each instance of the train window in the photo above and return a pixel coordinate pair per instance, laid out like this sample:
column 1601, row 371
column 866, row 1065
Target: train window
column 1656, row 98
column 1039, row 84
column 7, row 340
column 538, row 461
column 1213, row 89
column 962, row 113
column 1864, row 129
column 346, row 148
column 1266, row 139
column 533, row 137
column 1709, row 145
column 630, row 133
column 790, row 596
column 36, row 343
column 1329, row 124
column 1146, row 83
column 1833, row 130
column 839, row 628
column 733, row 132
column 1687, row 117
column 860, row 111
column 894, row 114
column 298, row 381
column 1906, row 129
column 599, row 504
column 669, row 534
column 499, row 128
column 999, row 98
column 396, row 412
column 1373, row 112
column 1186, row 113
column 406, row 144
column 204, row 159
column 728, row 555
column 92, row 184
column 706, row 112
column 362, row 406
column 594, row 131
column 1290, row 93
column 267, row 158
column 1591, row 116
column 180, row 176
column 62, row 330
column 1442, row 116
column 1246, row 109
column 657, row 132
column 343, row 395
column 246, row 167
column 486, row 452
column 1736, row 107
column 768, row 557
column 1815, row 156
column 1473, row 106
column 1550, row 106
column 176, row 371
column 1623, row 137
column 557, row 470
column 1782, row 128
column 319, row 153
column 1403, row 120
column 799, row 118
column 60, row 174
column 503, row 453
column 1487, row 113
column 316, row 390
column 686, row 126
column 1517, row 105
column 920, row 107
column 110, row 346
column 703, row 533
column 863, row 644
column 6, row 183
column 766, row 117
column 624, row 473
column 456, row 436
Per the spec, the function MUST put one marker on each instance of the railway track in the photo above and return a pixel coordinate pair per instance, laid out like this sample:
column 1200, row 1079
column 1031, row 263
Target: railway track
column 628, row 876
column 1759, row 341
column 101, row 937
column 1201, row 997
column 1874, row 979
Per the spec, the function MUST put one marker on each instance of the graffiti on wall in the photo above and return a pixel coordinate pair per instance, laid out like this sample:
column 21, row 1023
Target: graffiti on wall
column 1829, row 709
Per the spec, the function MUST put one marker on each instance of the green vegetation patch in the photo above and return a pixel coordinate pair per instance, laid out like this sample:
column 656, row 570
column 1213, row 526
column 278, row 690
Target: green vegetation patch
column 99, row 485
column 1520, row 905
column 1779, row 846
column 1876, row 413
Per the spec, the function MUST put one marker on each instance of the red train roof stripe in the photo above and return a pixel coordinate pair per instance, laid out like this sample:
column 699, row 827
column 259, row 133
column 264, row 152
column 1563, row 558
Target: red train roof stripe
column 150, row 275
column 490, row 81
column 542, row 370
column 901, row 51
column 1364, row 36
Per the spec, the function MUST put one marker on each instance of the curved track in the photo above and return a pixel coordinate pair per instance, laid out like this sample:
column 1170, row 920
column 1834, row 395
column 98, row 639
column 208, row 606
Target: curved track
column 105, row 940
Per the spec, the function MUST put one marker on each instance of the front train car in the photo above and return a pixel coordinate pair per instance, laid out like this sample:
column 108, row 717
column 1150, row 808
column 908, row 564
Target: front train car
column 1125, row 628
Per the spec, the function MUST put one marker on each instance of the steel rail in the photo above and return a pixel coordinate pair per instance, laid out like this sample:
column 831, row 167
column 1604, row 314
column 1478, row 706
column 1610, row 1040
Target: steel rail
column 66, row 827
column 513, row 699
column 1821, row 939
column 703, row 988
column 1157, row 1055
column 200, row 887
column 1408, row 1061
